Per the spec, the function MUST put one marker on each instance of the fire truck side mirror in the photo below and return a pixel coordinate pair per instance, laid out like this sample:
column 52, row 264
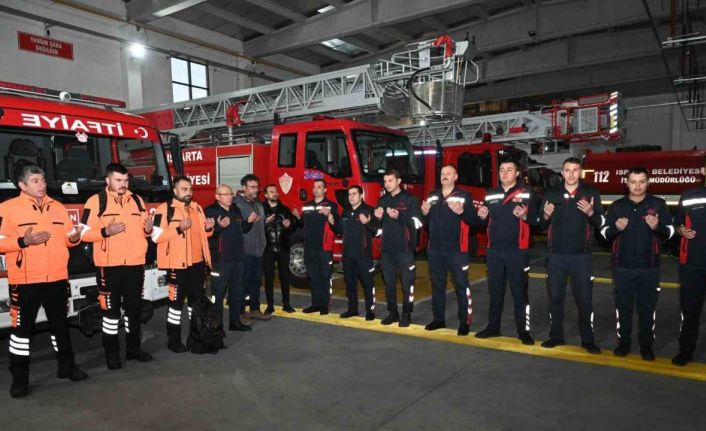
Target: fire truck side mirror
column 175, row 149
column 302, row 195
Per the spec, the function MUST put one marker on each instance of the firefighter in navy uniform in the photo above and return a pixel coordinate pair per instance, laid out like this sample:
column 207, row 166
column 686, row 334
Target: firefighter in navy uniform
column 35, row 233
column 401, row 218
column 449, row 215
column 637, row 223
column 321, row 222
column 359, row 228
column 181, row 231
column 691, row 225
column 117, row 224
column 570, row 214
column 509, row 210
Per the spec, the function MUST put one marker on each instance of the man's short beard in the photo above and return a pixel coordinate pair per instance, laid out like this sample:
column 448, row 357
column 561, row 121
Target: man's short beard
column 185, row 199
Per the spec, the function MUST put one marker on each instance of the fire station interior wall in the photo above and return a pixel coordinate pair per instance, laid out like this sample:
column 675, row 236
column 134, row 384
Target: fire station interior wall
column 102, row 67
column 232, row 169
column 660, row 125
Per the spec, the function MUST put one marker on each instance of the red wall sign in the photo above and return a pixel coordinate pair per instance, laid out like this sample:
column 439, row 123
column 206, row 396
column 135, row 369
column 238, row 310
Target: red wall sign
column 44, row 45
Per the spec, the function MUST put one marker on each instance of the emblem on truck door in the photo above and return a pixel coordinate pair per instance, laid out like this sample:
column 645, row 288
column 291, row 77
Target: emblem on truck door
column 285, row 183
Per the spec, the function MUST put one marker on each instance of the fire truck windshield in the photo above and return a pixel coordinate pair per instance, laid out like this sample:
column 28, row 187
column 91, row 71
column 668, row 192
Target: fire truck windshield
column 379, row 152
column 66, row 157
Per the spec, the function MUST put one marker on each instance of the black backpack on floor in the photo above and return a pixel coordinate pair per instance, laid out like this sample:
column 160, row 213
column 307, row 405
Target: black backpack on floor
column 206, row 334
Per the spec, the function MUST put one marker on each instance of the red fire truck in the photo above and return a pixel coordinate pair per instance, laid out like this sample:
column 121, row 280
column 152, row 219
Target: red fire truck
column 73, row 143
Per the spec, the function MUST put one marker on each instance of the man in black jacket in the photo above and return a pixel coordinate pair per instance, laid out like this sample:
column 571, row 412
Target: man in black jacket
column 321, row 222
column 449, row 215
column 637, row 224
column 359, row 228
column 227, row 255
column 401, row 218
column 691, row 222
column 571, row 212
column 509, row 210
column 278, row 222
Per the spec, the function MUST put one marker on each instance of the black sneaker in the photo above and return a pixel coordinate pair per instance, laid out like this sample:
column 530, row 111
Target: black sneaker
column 369, row 316
column 623, row 349
column 434, row 325
column 239, row 327
column 347, row 314
column 323, row 311
column 390, row 319
column 288, row 308
column 526, row 339
column 591, row 348
column 552, row 342
column 463, row 329
column 138, row 354
column 177, row 347
column 647, row 353
column 405, row 320
column 682, row 359
column 270, row 309
column 310, row 309
column 488, row 333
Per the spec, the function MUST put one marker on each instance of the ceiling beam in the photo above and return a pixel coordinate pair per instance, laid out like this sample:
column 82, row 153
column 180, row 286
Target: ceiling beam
column 356, row 17
column 435, row 23
column 360, row 43
column 278, row 9
column 526, row 3
column 328, row 52
column 234, row 18
column 397, row 34
column 336, row 3
column 480, row 12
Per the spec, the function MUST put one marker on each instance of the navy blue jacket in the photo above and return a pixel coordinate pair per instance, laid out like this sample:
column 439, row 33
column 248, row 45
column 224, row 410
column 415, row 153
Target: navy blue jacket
column 505, row 231
column 691, row 213
column 400, row 235
column 637, row 246
column 569, row 230
column 358, row 237
column 319, row 235
column 226, row 245
column 448, row 231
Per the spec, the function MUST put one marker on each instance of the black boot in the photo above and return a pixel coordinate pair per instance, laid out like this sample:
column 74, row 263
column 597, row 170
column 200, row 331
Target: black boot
column 20, row 381
column 112, row 360
column 288, row 308
column 139, row 354
column 391, row 318
column 174, row 339
column 68, row 369
column 405, row 319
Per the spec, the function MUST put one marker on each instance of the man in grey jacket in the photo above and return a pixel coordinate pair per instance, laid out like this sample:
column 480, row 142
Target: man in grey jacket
column 254, row 245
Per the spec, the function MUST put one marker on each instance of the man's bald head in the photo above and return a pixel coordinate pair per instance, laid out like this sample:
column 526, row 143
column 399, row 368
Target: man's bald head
column 224, row 195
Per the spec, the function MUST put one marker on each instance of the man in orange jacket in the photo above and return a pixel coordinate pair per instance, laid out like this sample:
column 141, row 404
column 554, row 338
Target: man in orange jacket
column 35, row 233
column 117, row 224
column 181, row 231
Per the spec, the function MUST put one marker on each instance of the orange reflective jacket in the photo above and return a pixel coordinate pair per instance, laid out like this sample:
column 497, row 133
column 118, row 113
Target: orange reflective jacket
column 41, row 263
column 174, row 248
column 125, row 248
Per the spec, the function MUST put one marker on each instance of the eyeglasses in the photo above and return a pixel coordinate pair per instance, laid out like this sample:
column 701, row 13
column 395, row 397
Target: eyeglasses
column 226, row 194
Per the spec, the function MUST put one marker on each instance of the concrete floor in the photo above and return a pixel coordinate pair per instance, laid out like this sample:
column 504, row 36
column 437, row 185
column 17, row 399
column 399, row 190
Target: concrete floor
column 294, row 374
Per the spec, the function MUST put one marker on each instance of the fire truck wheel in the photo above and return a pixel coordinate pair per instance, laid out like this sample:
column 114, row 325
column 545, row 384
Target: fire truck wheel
column 297, row 271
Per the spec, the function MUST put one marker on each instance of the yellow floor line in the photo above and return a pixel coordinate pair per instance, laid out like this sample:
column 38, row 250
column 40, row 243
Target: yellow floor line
column 662, row 366
column 606, row 280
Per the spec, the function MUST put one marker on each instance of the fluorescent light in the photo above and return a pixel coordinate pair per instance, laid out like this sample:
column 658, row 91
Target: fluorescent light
column 177, row 7
column 137, row 50
column 325, row 9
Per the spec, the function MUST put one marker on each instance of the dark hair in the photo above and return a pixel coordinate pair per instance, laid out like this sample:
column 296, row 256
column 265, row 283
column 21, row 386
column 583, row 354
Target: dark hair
column 356, row 187
column 179, row 178
column 450, row 165
column 270, row 185
column 394, row 172
column 247, row 178
column 510, row 160
column 637, row 170
column 573, row 160
column 320, row 180
column 116, row 168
